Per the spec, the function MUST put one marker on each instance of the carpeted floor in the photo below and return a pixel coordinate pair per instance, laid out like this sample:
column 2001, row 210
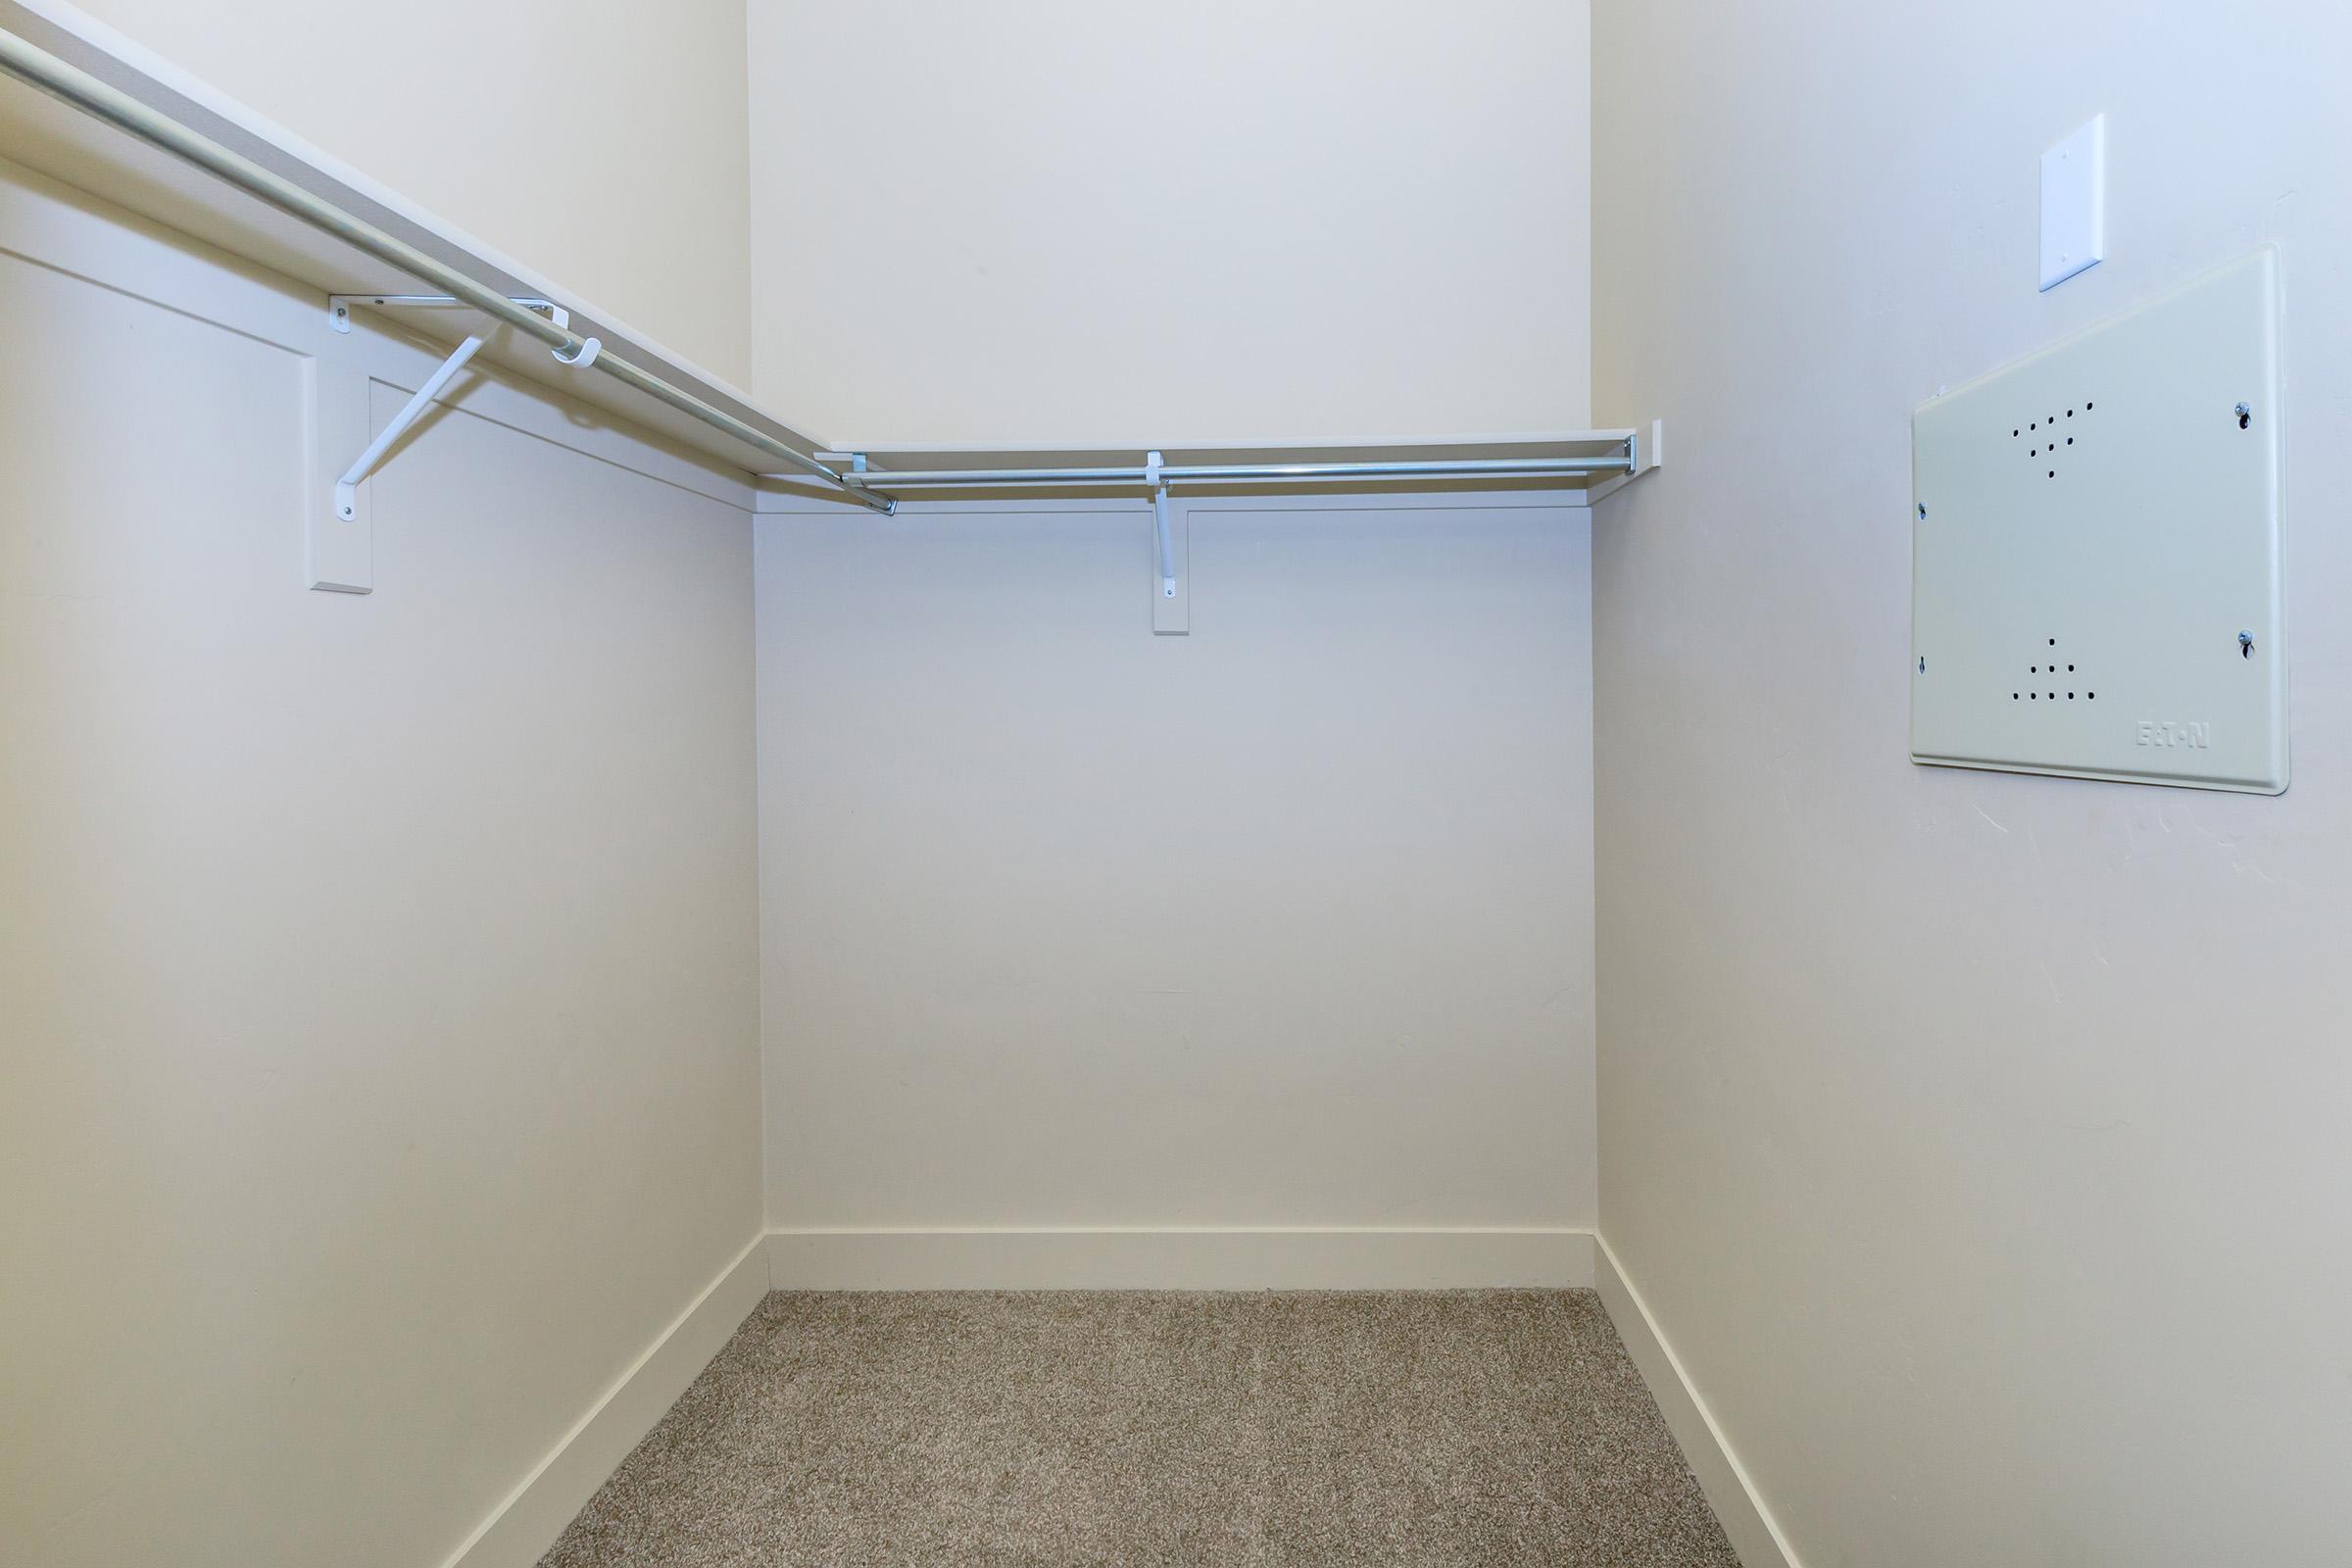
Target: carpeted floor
column 1443, row 1427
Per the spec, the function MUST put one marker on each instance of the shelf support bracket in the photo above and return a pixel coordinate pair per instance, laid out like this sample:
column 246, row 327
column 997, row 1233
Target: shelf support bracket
column 338, row 315
column 347, row 488
column 1171, row 605
column 1159, row 525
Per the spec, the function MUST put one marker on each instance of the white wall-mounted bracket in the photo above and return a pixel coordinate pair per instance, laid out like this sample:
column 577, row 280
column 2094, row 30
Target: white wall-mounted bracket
column 1171, row 608
column 341, row 550
column 338, row 315
column 1159, row 523
column 347, row 488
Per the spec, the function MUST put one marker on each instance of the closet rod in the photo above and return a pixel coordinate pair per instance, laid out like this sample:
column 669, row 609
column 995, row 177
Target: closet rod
column 85, row 92
column 1247, row 473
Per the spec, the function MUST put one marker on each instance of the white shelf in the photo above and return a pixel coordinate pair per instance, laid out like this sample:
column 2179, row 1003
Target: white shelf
column 60, row 141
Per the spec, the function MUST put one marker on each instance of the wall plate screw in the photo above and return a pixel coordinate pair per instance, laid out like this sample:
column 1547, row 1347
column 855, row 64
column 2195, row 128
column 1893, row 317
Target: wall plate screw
column 1923, row 512
column 2245, row 415
column 2245, row 644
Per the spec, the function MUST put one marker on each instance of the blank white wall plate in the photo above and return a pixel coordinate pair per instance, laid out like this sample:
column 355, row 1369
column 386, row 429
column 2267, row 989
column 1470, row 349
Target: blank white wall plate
column 2094, row 529
column 2074, row 203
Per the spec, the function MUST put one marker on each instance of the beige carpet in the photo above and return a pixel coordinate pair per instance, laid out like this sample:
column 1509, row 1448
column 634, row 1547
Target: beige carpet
column 1453, row 1427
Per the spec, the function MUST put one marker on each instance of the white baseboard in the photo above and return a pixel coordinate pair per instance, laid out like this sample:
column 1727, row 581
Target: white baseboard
column 1729, row 1492
column 521, row 1529
column 1204, row 1258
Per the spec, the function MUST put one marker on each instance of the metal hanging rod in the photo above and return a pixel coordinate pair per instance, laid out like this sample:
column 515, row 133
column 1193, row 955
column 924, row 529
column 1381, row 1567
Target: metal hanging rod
column 77, row 87
column 1153, row 475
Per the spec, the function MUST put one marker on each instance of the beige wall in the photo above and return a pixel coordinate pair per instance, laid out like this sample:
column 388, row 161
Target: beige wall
column 1978, row 1141
column 602, row 144
column 378, row 992
column 1079, row 223
column 1287, row 922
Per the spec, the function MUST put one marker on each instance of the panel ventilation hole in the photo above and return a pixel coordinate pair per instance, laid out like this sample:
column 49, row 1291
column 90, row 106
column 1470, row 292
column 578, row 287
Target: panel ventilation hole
column 2046, row 438
column 2054, row 678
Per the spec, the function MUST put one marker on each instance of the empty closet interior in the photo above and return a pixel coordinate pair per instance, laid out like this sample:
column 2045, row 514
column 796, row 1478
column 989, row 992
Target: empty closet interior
column 893, row 783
